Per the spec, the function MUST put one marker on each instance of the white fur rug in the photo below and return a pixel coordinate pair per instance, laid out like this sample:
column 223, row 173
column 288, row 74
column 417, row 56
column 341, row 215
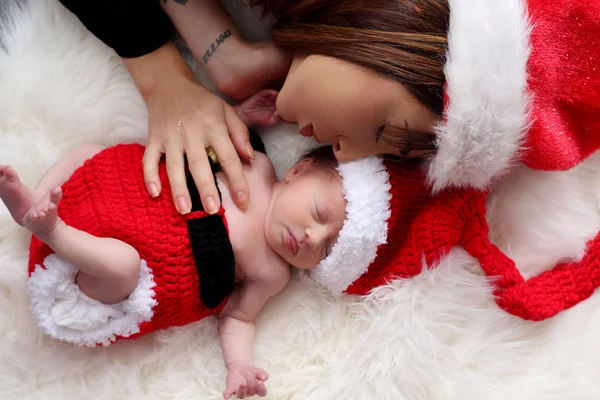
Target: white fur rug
column 439, row 336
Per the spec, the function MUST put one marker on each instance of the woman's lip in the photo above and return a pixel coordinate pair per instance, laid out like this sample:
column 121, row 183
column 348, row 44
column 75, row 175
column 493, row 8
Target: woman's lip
column 290, row 242
column 308, row 130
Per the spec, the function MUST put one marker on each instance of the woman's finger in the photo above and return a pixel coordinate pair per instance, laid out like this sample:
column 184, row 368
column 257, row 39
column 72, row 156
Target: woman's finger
column 152, row 155
column 203, row 177
column 232, row 167
column 239, row 133
column 176, row 173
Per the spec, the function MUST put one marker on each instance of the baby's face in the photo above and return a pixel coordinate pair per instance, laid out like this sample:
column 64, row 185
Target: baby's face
column 306, row 214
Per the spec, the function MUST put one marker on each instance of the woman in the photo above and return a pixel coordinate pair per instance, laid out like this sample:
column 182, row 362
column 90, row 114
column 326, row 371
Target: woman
column 521, row 80
column 473, row 86
column 184, row 117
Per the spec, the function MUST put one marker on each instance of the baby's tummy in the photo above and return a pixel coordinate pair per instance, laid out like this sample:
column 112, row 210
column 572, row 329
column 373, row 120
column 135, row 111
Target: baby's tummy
column 107, row 197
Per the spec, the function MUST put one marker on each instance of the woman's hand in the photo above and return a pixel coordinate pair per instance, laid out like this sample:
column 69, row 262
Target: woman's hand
column 184, row 119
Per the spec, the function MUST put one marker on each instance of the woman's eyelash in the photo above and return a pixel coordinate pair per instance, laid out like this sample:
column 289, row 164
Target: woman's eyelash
column 380, row 132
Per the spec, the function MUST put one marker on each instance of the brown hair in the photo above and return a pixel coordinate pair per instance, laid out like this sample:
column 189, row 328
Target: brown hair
column 403, row 40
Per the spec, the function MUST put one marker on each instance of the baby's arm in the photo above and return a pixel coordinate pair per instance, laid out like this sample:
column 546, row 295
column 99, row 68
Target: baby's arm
column 237, row 331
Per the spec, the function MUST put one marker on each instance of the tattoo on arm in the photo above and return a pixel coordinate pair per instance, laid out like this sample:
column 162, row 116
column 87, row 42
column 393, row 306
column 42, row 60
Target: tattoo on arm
column 214, row 45
column 182, row 2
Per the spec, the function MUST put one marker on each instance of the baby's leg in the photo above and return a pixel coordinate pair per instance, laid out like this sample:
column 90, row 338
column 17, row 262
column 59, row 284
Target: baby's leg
column 62, row 170
column 108, row 268
column 18, row 198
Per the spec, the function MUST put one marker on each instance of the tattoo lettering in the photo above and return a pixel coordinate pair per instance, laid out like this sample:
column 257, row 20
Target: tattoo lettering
column 215, row 45
column 182, row 2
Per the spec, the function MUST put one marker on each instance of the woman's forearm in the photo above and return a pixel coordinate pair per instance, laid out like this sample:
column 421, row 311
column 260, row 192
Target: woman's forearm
column 157, row 68
column 206, row 27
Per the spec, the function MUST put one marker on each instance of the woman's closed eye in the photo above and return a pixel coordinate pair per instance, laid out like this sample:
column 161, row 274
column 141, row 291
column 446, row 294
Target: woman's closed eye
column 379, row 132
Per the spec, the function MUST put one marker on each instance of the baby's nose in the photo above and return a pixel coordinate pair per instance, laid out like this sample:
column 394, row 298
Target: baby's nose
column 314, row 237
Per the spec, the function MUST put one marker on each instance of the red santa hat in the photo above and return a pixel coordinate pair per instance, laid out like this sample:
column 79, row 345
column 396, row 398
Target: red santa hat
column 394, row 223
column 523, row 81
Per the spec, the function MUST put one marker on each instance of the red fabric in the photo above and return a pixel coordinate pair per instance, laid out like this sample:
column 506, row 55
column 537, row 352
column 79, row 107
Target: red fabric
column 107, row 198
column 564, row 80
column 420, row 228
column 423, row 228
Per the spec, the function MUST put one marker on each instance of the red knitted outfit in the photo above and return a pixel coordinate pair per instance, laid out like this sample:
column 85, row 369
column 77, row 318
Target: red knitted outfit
column 107, row 197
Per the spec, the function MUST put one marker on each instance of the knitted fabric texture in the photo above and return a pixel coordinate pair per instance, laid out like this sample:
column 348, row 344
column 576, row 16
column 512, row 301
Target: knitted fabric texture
column 522, row 85
column 564, row 81
column 423, row 228
column 213, row 254
column 107, row 197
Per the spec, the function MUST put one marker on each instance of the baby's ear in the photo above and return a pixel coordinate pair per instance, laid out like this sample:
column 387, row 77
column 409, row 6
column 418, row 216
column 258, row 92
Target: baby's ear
column 298, row 169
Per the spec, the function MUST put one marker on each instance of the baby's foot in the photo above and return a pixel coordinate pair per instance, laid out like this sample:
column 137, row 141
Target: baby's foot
column 42, row 218
column 242, row 69
column 259, row 109
column 16, row 196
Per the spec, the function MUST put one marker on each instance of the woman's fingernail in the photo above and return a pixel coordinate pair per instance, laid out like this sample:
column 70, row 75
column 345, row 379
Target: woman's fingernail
column 211, row 205
column 242, row 197
column 250, row 150
column 153, row 189
column 182, row 205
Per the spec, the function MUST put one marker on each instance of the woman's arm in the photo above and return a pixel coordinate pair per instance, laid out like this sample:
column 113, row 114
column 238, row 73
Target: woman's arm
column 183, row 116
column 237, row 67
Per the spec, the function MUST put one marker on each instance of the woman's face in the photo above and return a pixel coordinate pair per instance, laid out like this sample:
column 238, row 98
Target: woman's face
column 346, row 105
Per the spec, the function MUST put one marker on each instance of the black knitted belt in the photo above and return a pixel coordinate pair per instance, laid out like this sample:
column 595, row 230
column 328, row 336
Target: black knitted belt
column 209, row 238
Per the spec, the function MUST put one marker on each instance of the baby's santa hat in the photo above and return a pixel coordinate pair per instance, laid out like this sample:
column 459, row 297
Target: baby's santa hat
column 522, row 85
column 394, row 224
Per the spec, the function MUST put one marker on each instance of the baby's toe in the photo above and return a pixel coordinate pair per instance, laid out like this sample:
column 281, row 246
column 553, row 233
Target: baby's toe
column 10, row 174
column 56, row 194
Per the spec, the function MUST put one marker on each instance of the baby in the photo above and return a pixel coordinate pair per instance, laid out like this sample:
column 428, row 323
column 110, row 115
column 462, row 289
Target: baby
column 107, row 261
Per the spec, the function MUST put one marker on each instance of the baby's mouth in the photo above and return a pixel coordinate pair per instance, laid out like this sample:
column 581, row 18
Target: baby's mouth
column 290, row 242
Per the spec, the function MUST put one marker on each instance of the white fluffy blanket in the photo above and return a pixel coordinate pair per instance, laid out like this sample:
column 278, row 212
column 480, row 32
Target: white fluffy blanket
column 438, row 336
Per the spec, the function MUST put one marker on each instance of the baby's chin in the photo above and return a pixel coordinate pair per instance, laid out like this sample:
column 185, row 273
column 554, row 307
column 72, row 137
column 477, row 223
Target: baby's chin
column 292, row 260
column 301, row 265
column 276, row 244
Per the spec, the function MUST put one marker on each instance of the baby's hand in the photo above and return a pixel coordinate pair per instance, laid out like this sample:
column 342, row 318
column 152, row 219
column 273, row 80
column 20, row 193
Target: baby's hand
column 245, row 380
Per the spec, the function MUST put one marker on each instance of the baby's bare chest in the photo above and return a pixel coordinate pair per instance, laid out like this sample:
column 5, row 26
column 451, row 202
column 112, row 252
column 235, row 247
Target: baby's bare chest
column 252, row 253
